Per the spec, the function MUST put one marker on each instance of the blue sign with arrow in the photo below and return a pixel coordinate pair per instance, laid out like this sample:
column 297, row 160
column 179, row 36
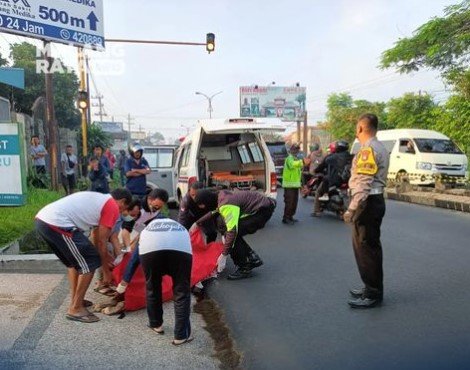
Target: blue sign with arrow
column 75, row 22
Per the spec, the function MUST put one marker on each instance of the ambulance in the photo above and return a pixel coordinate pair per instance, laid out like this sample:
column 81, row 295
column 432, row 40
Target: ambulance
column 228, row 154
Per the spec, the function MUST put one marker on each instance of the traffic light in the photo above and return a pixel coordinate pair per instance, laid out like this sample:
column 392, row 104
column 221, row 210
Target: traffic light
column 82, row 99
column 210, row 42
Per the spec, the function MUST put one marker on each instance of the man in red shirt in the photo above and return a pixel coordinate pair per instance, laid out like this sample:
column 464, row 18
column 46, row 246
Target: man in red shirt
column 62, row 225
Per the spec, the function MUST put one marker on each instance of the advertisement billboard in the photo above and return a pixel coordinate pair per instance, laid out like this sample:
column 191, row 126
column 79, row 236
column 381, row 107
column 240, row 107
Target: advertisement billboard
column 284, row 102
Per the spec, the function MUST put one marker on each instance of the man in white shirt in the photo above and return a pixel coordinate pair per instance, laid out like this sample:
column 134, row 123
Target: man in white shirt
column 62, row 225
column 165, row 249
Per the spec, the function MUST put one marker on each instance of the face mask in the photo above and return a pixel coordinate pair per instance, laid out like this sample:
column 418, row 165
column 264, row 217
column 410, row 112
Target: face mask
column 128, row 218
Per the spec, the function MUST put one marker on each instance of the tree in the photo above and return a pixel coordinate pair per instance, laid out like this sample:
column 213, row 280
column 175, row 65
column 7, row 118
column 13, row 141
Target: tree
column 65, row 87
column 343, row 113
column 443, row 44
column 96, row 135
column 158, row 138
column 413, row 111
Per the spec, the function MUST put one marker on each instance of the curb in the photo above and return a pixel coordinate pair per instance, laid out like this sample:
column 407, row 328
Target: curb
column 31, row 263
column 429, row 201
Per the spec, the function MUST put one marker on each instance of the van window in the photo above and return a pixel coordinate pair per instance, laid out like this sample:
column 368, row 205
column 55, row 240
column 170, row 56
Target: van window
column 244, row 155
column 407, row 146
column 437, row 146
column 256, row 152
column 159, row 158
column 186, row 154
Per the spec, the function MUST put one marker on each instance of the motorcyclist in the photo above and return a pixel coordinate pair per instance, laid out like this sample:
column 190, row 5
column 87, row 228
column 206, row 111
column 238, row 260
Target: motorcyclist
column 136, row 169
column 333, row 166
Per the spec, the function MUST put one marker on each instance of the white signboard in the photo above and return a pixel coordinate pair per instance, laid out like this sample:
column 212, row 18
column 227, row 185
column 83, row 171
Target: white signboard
column 74, row 22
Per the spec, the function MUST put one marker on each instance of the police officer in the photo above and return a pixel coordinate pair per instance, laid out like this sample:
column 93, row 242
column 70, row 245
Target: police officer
column 239, row 214
column 366, row 211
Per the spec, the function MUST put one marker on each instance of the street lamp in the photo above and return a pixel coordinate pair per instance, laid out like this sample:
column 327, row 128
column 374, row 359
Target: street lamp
column 209, row 99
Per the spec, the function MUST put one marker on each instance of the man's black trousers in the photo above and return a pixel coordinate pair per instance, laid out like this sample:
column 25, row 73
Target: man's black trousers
column 178, row 266
column 249, row 225
column 367, row 245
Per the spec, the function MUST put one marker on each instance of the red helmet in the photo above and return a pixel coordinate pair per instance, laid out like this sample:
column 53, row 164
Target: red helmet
column 332, row 147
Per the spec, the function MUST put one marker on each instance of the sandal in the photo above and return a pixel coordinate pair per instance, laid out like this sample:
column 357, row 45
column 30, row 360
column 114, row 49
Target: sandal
column 87, row 303
column 105, row 290
column 177, row 342
column 87, row 318
column 161, row 331
column 114, row 310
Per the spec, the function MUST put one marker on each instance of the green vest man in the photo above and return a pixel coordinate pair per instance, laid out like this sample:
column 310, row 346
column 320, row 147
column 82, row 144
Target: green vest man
column 291, row 182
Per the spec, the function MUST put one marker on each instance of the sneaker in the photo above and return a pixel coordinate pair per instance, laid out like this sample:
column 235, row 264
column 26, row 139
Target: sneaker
column 294, row 220
column 287, row 222
column 240, row 274
column 315, row 214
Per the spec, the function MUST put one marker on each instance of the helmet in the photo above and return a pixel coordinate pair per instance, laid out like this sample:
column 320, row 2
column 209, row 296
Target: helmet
column 332, row 147
column 295, row 148
column 136, row 147
column 342, row 146
column 314, row 147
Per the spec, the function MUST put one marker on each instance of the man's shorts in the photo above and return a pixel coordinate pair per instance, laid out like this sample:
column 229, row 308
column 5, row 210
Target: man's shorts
column 72, row 247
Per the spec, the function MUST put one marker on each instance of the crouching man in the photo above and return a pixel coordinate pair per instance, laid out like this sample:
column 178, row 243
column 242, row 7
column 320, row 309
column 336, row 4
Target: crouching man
column 62, row 225
column 241, row 213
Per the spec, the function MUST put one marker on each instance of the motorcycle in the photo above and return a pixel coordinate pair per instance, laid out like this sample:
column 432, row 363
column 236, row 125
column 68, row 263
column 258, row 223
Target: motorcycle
column 336, row 200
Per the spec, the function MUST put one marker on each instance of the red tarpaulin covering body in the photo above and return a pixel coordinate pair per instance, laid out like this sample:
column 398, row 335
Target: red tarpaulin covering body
column 204, row 263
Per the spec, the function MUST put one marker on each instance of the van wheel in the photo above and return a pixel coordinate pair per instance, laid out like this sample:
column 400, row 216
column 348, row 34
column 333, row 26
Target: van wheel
column 402, row 176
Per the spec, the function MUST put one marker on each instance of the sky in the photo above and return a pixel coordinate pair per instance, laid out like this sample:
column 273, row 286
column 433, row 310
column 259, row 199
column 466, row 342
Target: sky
column 326, row 45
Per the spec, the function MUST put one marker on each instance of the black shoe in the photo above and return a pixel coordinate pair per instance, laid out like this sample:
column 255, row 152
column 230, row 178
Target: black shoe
column 364, row 302
column 315, row 214
column 287, row 222
column 256, row 263
column 294, row 220
column 240, row 274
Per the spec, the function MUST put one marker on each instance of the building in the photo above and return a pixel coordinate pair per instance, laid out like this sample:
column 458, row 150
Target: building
column 117, row 133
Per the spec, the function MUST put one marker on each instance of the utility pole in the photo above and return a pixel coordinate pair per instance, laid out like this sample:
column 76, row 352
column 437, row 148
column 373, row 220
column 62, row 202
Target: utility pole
column 50, row 118
column 101, row 113
column 298, row 132
column 84, row 114
column 129, row 124
column 305, row 142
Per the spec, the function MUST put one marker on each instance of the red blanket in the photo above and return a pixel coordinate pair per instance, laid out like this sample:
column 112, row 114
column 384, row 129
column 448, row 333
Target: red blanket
column 204, row 263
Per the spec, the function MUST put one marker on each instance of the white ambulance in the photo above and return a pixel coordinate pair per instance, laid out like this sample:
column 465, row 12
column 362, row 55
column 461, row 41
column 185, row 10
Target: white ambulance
column 228, row 154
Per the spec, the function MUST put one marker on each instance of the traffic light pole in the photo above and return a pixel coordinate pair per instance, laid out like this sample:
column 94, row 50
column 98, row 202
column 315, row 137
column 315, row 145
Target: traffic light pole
column 83, row 87
column 156, row 42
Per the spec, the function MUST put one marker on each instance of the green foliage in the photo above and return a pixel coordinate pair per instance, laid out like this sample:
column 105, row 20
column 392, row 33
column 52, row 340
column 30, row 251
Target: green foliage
column 413, row 110
column 454, row 121
column 343, row 113
column 96, row 135
column 17, row 221
column 443, row 43
column 65, row 87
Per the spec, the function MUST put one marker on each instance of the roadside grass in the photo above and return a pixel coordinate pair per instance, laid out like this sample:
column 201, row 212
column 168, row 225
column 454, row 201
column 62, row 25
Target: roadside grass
column 17, row 221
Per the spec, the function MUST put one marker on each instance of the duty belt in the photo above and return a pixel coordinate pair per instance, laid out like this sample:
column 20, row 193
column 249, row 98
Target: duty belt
column 376, row 191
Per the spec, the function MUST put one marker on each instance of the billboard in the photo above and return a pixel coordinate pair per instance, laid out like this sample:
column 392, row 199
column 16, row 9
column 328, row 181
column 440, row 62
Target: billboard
column 75, row 22
column 285, row 102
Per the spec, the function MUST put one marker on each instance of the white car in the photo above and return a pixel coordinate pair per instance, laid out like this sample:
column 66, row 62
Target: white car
column 421, row 155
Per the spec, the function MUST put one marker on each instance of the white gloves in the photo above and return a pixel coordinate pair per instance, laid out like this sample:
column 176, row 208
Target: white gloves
column 221, row 262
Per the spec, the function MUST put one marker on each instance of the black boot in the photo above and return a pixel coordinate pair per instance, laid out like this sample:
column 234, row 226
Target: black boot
column 254, row 260
column 240, row 273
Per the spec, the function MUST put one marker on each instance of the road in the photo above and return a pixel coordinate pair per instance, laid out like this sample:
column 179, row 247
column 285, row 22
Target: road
column 293, row 314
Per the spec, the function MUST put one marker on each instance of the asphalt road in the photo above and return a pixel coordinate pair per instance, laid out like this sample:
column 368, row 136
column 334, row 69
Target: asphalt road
column 294, row 315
